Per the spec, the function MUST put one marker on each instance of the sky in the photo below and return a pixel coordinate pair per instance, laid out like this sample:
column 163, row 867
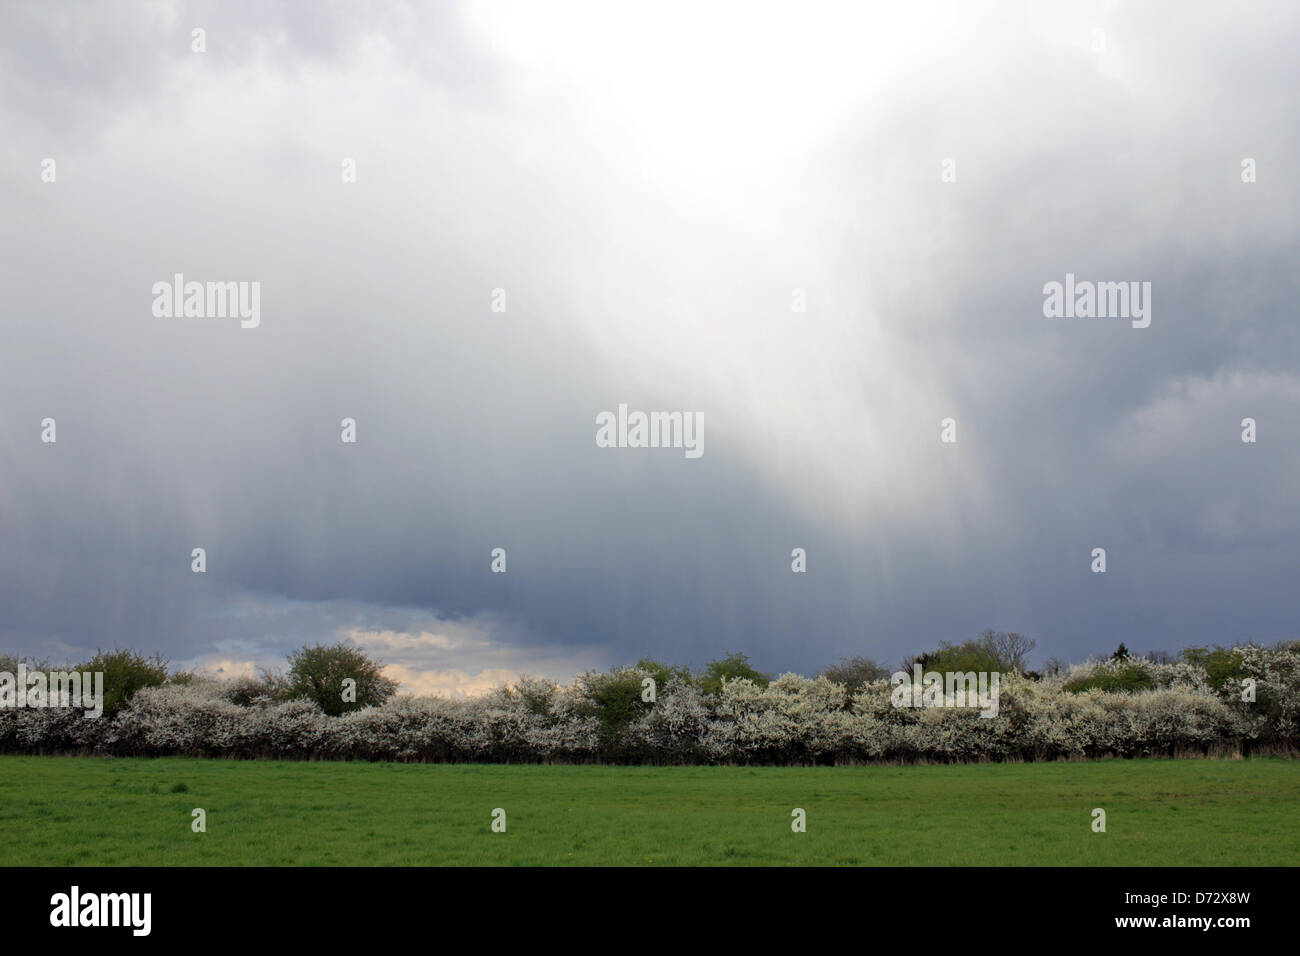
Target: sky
column 823, row 228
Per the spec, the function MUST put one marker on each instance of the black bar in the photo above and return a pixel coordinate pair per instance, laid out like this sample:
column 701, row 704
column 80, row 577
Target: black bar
column 335, row 906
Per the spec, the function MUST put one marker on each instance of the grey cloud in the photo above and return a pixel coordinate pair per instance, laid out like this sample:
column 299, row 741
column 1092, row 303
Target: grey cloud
column 476, row 429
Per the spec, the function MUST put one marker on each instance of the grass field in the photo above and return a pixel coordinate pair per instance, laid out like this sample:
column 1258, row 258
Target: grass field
column 94, row 811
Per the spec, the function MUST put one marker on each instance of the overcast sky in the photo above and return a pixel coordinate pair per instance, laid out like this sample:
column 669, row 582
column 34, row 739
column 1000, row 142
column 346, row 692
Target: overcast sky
column 649, row 185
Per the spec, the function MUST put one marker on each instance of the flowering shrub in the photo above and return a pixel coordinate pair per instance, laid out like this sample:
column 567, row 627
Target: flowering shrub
column 792, row 719
column 1276, row 672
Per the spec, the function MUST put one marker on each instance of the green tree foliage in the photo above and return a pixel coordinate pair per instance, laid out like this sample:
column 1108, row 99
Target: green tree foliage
column 125, row 672
column 1130, row 677
column 1221, row 664
column 663, row 673
column 613, row 697
column 1001, row 651
column 733, row 666
column 319, row 674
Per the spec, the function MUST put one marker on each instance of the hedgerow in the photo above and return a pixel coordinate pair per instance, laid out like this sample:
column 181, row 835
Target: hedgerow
column 1124, row 707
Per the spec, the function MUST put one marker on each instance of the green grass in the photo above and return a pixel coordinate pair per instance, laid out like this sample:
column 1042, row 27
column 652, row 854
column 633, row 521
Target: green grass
column 95, row 811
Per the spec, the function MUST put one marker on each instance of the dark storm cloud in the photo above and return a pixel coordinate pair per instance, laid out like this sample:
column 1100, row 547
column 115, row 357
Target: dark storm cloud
column 662, row 280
